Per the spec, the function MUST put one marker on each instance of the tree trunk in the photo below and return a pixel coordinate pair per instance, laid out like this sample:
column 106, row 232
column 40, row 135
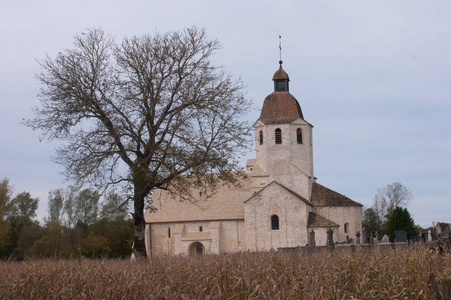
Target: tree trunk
column 139, row 224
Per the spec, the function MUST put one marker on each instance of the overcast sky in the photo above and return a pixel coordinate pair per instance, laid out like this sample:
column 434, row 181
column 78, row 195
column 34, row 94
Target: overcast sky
column 373, row 77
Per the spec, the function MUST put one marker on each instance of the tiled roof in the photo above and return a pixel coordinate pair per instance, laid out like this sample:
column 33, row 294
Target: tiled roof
column 322, row 196
column 225, row 203
column 280, row 107
column 315, row 220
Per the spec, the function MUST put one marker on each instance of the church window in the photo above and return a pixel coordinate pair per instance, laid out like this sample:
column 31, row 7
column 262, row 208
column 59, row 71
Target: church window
column 278, row 136
column 346, row 227
column 274, row 222
column 299, row 135
column 261, row 137
column 201, row 229
column 169, row 232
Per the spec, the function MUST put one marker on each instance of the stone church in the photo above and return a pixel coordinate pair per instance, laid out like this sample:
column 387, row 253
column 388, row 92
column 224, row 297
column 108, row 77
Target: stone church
column 278, row 205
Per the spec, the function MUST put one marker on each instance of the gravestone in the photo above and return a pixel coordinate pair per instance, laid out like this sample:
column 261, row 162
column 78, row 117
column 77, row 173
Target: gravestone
column 385, row 239
column 330, row 237
column 347, row 239
column 312, row 242
column 364, row 236
column 400, row 236
column 429, row 236
column 357, row 237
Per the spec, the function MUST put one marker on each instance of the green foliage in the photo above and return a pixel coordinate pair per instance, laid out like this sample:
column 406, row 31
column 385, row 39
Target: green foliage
column 21, row 237
column 94, row 246
column 4, row 238
column 101, row 239
column 24, row 205
column 15, row 215
column 6, row 192
column 371, row 222
column 119, row 233
column 54, row 243
column 16, row 224
column 5, row 204
column 400, row 219
column 28, row 236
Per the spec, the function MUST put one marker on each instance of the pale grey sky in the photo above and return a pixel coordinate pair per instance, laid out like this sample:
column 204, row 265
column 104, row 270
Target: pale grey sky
column 373, row 77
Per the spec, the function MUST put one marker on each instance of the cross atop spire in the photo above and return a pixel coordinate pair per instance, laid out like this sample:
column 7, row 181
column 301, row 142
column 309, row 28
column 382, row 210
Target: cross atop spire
column 280, row 51
column 280, row 78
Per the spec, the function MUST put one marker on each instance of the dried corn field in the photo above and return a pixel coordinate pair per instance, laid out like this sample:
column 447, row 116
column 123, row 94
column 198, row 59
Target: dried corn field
column 370, row 274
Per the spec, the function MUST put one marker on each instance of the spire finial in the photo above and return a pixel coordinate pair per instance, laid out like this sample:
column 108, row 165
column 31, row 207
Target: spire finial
column 280, row 50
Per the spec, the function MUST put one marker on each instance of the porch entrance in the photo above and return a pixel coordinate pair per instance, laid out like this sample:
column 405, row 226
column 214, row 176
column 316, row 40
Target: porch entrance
column 196, row 249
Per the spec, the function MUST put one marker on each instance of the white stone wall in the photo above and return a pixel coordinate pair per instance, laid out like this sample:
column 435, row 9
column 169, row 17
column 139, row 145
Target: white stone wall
column 159, row 241
column 292, row 213
column 289, row 163
column 226, row 236
column 321, row 235
column 302, row 154
column 232, row 236
column 341, row 215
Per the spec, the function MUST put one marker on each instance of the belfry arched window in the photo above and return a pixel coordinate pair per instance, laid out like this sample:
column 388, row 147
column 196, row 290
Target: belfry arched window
column 274, row 222
column 278, row 133
column 299, row 135
column 261, row 137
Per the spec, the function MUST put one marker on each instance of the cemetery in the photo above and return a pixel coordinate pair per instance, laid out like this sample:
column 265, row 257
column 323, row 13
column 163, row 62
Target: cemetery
column 440, row 242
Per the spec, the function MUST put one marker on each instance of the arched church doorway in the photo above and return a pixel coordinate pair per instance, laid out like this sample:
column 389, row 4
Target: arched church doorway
column 196, row 249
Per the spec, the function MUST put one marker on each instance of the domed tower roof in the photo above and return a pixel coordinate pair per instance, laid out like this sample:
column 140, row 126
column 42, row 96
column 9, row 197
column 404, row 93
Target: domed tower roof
column 280, row 106
column 280, row 74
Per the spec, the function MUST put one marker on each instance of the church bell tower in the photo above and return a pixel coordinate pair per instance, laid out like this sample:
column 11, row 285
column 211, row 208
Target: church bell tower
column 283, row 139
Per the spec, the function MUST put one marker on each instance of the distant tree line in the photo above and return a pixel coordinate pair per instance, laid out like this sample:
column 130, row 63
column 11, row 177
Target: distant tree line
column 78, row 224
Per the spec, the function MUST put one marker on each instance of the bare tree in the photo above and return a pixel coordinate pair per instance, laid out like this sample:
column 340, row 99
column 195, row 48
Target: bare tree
column 55, row 207
column 395, row 195
column 69, row 206
column 388, row 198
column 152, row 112
column 380, row 207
